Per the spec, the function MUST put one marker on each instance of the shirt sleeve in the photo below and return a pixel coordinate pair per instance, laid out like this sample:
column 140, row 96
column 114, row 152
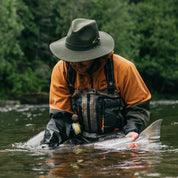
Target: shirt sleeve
column 59, row 91
column 133, row 88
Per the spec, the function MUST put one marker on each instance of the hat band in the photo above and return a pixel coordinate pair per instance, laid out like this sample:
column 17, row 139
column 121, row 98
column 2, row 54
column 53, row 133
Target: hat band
column 93, row 44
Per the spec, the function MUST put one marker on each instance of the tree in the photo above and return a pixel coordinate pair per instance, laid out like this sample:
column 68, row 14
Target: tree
column 10, row 51
column 158, row 54
column 145, row 32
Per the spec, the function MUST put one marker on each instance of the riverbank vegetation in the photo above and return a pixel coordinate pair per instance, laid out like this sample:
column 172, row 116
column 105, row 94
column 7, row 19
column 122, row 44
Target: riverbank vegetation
column 145, row 32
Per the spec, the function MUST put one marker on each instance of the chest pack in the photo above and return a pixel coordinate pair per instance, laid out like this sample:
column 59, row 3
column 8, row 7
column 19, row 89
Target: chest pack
column 99, row 111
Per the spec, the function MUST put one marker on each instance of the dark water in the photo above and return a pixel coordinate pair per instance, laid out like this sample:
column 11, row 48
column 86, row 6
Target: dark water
column 20, row 122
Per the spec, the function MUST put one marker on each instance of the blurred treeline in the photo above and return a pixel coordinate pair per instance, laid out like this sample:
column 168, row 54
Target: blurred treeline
column 145, row 32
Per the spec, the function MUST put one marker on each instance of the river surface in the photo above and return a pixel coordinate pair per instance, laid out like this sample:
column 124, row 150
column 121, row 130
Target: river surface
column 18, row 123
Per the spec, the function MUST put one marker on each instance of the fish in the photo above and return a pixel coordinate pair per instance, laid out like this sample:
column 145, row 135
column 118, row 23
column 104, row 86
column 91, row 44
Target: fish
column 148, row 138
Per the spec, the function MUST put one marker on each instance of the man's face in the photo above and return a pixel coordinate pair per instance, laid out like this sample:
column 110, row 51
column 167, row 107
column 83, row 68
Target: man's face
column 84, row 66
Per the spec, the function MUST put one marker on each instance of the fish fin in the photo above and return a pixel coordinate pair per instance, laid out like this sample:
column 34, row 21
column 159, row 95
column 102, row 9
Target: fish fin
column 36, row 140
column 152, row 132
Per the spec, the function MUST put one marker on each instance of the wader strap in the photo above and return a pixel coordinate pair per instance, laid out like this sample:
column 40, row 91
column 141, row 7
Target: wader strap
column 71, row 74
column 109, row 72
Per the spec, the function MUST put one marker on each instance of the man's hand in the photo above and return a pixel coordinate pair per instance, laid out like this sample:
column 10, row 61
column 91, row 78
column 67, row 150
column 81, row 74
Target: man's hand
column 134, row 136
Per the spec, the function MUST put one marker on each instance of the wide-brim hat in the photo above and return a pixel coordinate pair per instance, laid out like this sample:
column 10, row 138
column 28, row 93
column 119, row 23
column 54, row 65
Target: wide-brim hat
column 83, row 42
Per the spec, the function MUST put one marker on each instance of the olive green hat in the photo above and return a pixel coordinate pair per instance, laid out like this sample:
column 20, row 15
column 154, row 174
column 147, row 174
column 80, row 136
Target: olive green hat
column 83, row 42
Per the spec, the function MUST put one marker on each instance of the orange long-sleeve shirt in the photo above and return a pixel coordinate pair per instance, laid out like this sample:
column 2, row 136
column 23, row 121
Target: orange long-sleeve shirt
column 127, row 81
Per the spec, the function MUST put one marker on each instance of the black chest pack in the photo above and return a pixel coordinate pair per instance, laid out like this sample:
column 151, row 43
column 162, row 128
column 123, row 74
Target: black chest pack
column 98, row 111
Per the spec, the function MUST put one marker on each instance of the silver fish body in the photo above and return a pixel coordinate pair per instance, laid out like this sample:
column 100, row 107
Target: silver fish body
column 148, row 138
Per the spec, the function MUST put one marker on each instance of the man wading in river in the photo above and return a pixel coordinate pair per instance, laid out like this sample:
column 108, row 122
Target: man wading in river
column 93, row 91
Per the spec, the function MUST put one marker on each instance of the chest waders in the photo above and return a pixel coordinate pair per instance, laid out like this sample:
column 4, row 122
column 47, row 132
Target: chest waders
column 98, row 111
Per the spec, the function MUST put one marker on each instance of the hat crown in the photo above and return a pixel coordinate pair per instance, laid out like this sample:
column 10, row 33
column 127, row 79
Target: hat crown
column 82, row 35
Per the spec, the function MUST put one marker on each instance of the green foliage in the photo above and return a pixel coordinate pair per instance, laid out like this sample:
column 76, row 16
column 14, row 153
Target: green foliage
column 145, row 32
column 25, row 83
column 10, row 50
column 158, row 56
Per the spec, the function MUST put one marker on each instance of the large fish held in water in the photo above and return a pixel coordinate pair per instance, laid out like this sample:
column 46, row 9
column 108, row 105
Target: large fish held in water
column 148, row 138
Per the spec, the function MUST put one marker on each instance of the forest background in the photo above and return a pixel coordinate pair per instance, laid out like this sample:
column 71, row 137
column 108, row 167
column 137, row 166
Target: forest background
column 145, row 32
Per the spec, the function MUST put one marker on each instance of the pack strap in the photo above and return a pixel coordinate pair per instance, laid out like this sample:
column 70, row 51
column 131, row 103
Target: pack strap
column 109, row 72
column 71, row 74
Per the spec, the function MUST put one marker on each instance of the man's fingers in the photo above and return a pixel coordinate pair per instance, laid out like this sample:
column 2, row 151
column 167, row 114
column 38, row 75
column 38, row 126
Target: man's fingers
column 133, row 135
column 133, row 145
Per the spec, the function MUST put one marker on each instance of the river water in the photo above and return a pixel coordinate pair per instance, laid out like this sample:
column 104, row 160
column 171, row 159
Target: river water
column 18, row 123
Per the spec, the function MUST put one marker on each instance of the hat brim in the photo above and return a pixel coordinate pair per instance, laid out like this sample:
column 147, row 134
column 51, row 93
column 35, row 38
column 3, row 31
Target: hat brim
column 59, row 49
